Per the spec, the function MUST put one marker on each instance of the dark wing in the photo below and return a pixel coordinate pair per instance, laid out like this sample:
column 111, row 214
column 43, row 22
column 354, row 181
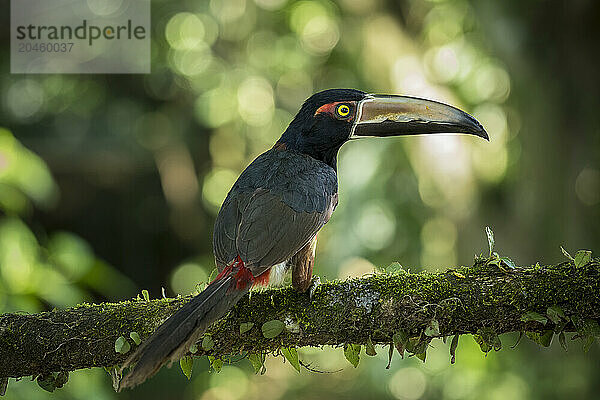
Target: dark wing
column 275, row 208
column 268, row 232
column 271, row 232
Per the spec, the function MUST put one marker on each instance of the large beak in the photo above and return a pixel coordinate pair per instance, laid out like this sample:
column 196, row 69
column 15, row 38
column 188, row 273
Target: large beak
column 388, row 115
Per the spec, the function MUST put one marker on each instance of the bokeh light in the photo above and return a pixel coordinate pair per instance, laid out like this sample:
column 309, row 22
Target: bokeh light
column 186, row 277
column 408, row 384
column 110, row 184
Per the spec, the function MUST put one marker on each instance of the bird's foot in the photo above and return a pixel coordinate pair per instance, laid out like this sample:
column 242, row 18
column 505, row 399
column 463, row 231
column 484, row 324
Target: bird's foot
column 314, row 284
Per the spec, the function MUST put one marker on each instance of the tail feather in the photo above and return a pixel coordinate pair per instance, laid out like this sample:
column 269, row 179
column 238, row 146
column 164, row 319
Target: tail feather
column 173, row 338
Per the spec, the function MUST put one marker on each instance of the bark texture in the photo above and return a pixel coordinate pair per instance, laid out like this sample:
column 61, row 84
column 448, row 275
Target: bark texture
column 478, row 299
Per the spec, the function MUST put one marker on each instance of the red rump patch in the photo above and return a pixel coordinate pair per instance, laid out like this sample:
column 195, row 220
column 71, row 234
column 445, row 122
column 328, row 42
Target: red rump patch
column 243, row 276
column 263, row 279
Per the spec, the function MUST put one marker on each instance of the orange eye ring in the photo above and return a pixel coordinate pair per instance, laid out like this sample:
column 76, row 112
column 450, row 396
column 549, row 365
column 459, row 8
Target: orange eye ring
column 343, row 110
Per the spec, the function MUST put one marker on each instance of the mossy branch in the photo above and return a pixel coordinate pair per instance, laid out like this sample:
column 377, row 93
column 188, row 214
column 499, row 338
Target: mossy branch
column 482, row 298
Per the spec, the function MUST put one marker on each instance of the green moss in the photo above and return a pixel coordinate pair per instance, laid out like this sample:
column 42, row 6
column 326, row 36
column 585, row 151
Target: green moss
column 462, row 300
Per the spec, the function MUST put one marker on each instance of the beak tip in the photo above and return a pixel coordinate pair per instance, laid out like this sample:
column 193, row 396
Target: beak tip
column 478, row 129
column 483, row 134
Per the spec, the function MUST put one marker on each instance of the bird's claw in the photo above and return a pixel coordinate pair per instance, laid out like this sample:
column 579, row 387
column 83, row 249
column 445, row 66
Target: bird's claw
column 314, row 284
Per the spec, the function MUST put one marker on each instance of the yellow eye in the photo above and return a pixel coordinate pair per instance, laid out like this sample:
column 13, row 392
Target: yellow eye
column 343, row 110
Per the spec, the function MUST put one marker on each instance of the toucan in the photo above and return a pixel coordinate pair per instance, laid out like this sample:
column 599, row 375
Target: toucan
column 269, row 221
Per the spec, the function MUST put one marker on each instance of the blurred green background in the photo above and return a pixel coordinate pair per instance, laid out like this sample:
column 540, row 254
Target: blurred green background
column 110, row 184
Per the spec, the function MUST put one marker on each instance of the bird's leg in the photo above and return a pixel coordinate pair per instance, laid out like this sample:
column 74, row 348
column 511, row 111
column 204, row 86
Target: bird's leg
column 302, row 266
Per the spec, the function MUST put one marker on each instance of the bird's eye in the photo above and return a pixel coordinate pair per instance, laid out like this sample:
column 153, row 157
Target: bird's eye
column 343, row 110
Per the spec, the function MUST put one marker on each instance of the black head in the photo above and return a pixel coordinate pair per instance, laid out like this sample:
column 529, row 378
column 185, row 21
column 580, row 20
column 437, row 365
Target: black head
column 330, row 118
column 323, row 124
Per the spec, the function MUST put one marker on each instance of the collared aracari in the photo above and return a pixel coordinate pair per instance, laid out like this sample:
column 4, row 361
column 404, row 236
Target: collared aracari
column 272, row 214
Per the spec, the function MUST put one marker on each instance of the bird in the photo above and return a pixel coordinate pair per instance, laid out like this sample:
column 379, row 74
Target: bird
column 269, row 221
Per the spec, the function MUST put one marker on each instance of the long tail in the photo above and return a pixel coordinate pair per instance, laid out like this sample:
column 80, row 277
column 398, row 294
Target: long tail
column 173, row 338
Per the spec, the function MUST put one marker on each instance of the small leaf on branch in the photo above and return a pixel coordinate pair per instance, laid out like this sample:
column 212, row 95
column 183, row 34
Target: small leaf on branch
column 146, row 295
column 395, row 268
column 416, row 345
column 246, row 326
column 591, row 328
column 543, row 339
column 433, row 328
column 453, row 346
column 186, row 363
column 390, row 355
column 135, row 337
column 46, row 382
column 115, row 376
column 352, row 353
column 215, row 363
column 272, row 329
column 582, row 257
column 508, row 262
column 482, row 344
column 291, row 354
column 562, row 340
column 207, row 343
column 556, row 314
column 370, row 348
column 587, row 343
column 400, row 342
column 546, row 337
column 61, row 379
column 413, row 344
column 257, row 361
column 487, row 339
column 3, row 386
column 122, row 345
column 518, row 340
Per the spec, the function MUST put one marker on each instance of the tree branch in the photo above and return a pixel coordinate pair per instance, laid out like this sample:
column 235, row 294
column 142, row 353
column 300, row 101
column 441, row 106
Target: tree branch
column 482, row 298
